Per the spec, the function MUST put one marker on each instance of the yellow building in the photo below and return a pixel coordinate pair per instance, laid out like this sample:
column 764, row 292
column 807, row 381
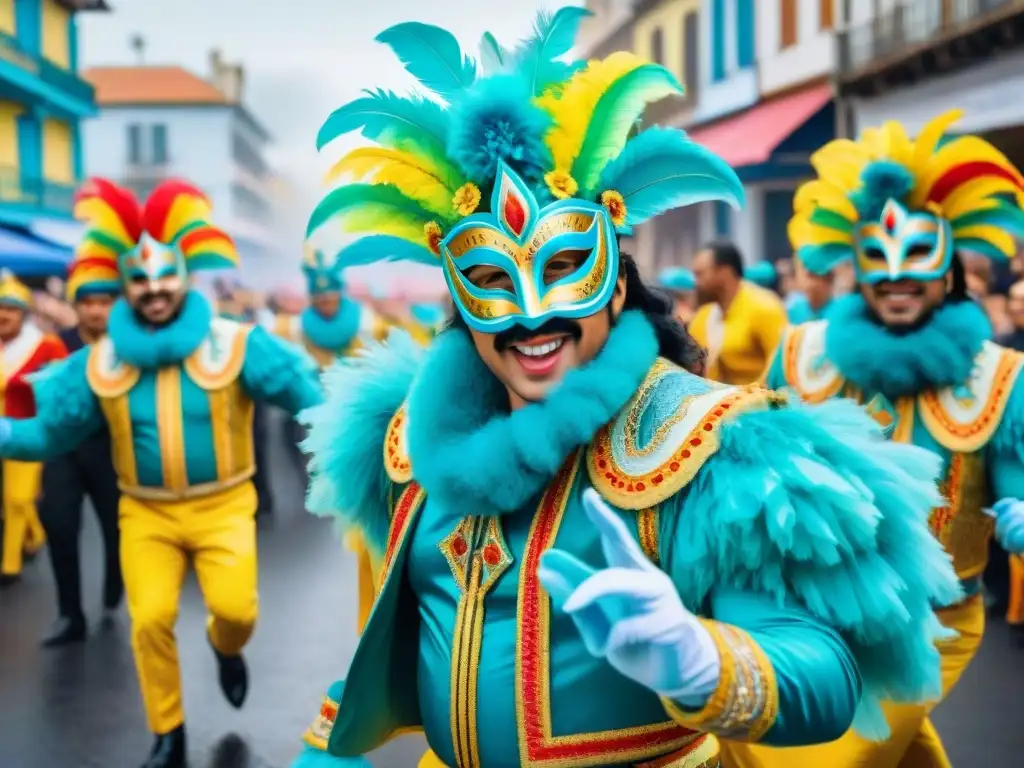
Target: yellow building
column 42, row 101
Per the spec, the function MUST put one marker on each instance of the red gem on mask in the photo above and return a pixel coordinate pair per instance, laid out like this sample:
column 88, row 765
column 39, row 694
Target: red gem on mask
column 890, row 220
column 515, row 214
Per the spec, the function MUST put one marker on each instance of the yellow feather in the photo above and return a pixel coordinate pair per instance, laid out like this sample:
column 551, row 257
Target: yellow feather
column 821, row 194
column 102, row 217
column 414, row 177
column 1002, row 240
column 975, row 195
column 931, row 135
column 841, row 162
column 896, row 145
column 184, row 210
column 802, row 232
column 966, row 149
column 572, row 107
column 381, row 221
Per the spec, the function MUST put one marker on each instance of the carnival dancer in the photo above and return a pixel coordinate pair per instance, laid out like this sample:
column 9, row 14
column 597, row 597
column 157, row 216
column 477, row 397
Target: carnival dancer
column 88, row 470
column 912, row 346
column 334, row 325
column 587, row 555
column 25, row 349
column 176, row 387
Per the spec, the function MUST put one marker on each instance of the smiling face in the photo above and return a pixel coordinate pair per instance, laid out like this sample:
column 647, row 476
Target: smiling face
column 530, row 362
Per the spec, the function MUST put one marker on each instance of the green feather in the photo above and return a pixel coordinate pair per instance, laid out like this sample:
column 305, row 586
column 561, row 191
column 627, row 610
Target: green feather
column 613, row 119
column 364, row 204
column 831, row 220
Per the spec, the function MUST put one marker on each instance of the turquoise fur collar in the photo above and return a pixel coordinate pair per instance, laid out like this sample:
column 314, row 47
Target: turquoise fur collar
column 145, row 347
column 334, row 333
column 474, row 457
column 938, row 355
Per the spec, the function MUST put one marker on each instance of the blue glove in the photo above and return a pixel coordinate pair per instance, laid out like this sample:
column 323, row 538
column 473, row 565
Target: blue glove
column 5, row 430
column 1009, row 515
column 630, row 613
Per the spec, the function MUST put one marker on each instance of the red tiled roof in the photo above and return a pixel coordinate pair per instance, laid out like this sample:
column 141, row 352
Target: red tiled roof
column 151, row 85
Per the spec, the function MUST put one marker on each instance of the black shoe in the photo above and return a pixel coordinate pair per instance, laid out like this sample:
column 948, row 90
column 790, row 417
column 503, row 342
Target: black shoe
column 65, row 631
column 9, row 579
column 168, row 750
column 234, row 677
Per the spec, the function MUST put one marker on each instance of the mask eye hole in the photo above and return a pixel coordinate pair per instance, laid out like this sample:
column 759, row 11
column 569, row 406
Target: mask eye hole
column 563, row 264
column 490, row 278
column 874, row 253
column 919, row 251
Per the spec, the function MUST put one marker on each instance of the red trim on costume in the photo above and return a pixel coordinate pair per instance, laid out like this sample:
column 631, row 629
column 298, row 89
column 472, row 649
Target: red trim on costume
column 19, row 400
column 958, row 174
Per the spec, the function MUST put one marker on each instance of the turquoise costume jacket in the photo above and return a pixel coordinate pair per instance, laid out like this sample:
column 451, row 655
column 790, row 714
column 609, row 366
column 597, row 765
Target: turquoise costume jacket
column 327, row 339
column 178, row 400
column 769, row 519
column 943, row 387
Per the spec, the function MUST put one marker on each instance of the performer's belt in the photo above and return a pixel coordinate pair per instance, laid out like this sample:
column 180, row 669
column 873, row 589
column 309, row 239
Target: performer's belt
column 702, row 752
column 153, row 493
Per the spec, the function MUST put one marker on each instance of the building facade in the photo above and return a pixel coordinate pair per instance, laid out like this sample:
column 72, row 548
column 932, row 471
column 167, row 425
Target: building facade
column 911, row 61
column 42, row 103
column 157, row 123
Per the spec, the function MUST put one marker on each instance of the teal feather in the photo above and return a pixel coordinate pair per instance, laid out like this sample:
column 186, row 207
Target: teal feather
column 376, row 248
column 554, row 36
column 614, row 116
column 1007, row 216
column 410, row 124
column 352, row 199
column 845, row 509
column 493, row 56
column 831, row 220
column 432, row 55
column 984, row 247
column 822, row 259
column 346, row 436
column 662, row 169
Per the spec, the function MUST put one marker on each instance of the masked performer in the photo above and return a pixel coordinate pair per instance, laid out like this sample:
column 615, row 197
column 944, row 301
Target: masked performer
column 175, row 386
column 334, row 325
column 26, row 350
column 913, row 348
column 585, row 554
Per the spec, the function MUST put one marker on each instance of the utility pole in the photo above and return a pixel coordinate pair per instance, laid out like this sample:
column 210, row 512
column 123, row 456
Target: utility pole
column 844, row 110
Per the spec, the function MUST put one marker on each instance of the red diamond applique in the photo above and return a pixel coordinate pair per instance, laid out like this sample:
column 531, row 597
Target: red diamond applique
column 515, row 213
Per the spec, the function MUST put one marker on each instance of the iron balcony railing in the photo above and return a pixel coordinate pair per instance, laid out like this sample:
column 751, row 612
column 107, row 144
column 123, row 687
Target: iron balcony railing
column 34, row 192
column 913, row 26
column 12, row 51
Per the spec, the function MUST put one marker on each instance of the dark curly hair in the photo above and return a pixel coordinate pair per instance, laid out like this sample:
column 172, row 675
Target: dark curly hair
column 674, row 342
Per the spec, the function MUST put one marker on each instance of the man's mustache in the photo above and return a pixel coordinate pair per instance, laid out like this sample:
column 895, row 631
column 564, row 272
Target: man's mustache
column 149, row 297
column 517, row 333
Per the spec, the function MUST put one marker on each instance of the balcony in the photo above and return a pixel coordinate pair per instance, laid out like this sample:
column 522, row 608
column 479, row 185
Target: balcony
column 34, row 196
column 921, row 38
column 52, row 77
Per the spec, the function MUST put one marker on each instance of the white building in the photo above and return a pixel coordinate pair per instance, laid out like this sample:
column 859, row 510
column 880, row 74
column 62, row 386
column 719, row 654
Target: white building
column 160, row 122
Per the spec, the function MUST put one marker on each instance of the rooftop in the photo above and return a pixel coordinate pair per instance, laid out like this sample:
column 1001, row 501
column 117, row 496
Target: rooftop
column 138, row 85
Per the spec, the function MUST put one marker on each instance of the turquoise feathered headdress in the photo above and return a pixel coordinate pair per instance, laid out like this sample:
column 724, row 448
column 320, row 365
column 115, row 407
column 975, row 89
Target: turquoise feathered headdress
column 323, row 274
column 762, row 273
column 567, row 130
column 677, row 279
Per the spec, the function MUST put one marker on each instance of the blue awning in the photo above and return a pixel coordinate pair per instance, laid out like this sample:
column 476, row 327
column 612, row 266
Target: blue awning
column 29, row 256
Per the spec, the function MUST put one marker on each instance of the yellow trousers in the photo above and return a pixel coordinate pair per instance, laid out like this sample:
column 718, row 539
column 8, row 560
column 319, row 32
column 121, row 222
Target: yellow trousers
column 22, row 529
column 217, row 534
column 913, row 742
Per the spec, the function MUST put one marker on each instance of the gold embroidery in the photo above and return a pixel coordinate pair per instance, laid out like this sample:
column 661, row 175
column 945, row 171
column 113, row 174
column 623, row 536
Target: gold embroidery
column 212, row 378
column 704, row 752
column 170, row 428
column 119, row 421
column 647, row 528
column 745, row 704
column 319, row 733
column 791, row 347
column 108, row 377
column 396, row 454
column 960, row 526
column 636, row 411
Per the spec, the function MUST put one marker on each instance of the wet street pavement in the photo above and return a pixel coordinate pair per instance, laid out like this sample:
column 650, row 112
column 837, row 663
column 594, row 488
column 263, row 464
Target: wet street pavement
column 79, row 707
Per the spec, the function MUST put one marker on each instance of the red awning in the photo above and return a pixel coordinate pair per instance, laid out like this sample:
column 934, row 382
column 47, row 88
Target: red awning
column 750, row 137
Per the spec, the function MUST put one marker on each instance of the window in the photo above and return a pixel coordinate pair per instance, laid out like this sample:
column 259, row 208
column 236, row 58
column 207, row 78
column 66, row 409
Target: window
column 134, row 144
column 246, row 155
column 718, row 32
column 788, row 23
column 826, row 14
column 745, row 45
column 657, row 47
column 691, row 58
column 159, row 144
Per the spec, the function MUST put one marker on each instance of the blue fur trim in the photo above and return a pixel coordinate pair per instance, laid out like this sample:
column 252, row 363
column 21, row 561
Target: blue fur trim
column 276, row 369
column 940, row 353
column 496, row 120
column 812, row 503
column 880, row 181
column 346, row 435
column 474, row 457
column 333, row 333
column 145, row 347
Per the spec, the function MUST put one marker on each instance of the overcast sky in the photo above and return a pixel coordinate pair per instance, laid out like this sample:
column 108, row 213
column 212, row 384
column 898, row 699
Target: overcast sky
column 302, row 58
